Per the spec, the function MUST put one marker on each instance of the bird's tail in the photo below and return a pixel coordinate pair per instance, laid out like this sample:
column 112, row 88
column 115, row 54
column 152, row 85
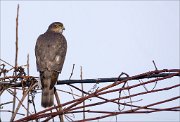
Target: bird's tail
column 48, row 80
column 47, row 99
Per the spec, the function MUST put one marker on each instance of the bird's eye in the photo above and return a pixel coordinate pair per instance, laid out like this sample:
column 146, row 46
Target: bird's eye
column 56, row 25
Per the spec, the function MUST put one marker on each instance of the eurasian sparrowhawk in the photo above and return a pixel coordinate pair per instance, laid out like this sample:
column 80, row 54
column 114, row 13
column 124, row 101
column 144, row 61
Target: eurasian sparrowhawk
column 50, row 51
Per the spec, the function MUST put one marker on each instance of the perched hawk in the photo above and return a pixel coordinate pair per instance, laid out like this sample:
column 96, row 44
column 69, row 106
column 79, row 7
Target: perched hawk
column 50, row 51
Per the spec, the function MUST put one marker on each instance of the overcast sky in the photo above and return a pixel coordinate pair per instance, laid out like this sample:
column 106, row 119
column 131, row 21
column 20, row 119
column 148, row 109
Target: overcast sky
column 104, row 37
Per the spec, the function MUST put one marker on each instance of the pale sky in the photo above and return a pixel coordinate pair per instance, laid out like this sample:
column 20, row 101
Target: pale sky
column 104, row 37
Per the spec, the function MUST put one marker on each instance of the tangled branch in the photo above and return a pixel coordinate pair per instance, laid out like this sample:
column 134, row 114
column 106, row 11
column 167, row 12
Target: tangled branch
column 118, row 85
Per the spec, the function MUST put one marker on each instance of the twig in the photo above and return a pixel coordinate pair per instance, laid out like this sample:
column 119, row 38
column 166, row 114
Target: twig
column 129, row 95
column 78, row 89
column 16, row 77
column 5, row 103
column 34, row 106
column 141, row 81
column 70, row 78
column 81, row 76
column 120, row 91
column 28, row 64
column 28, row 92
column 22, row 99
column 68, row 92
column 155, row 65
column 59, row 104
column 155, row 69
column 11, row 112
column 16, row 58
column 7, row 63
column 72, row 72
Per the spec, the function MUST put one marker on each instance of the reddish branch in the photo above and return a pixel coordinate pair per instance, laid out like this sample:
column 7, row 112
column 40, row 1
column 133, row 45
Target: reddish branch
column 71, row 106
column 151, row 74
column 16, row 60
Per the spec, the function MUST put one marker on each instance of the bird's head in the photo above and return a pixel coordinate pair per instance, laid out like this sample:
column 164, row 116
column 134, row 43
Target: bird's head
column 56, row 27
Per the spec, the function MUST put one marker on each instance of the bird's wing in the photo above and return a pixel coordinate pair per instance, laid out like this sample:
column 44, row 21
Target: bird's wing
column 50, row 51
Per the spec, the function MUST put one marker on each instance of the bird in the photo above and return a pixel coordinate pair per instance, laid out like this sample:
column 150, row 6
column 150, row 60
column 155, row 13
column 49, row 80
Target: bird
column 50, row 52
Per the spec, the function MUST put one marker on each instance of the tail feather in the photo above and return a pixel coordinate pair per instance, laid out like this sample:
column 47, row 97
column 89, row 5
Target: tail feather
column 48, row 80
column 47, row 99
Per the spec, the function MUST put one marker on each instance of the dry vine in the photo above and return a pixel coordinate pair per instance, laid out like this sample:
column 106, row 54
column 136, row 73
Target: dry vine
column 29, row 85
